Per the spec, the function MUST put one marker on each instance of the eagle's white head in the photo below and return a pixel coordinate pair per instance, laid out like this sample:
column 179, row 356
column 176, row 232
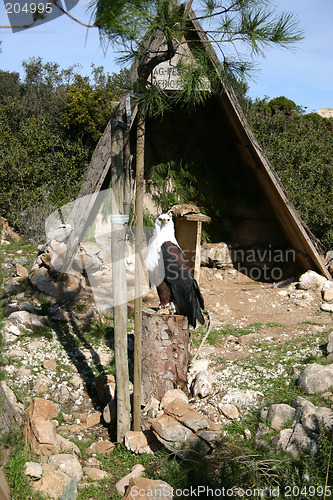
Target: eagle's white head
column 164, row 231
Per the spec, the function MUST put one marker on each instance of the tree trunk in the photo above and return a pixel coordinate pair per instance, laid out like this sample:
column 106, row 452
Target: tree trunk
column 165, row 341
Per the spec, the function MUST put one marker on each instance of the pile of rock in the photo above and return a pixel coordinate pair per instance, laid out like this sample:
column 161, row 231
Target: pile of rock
column 299, row 426
column 315, row 283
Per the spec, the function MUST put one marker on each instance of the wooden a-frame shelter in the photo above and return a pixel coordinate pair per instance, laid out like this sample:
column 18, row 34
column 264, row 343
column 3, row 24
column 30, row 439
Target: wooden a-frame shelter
column 218, row 133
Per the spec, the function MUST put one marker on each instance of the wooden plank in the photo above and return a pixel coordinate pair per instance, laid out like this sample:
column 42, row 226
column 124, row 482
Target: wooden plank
column 140, row 153
column 95, row 176
column 119, row 283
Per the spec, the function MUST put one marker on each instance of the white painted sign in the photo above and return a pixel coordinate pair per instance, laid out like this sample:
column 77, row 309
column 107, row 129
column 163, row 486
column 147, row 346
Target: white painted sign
column 166, row 76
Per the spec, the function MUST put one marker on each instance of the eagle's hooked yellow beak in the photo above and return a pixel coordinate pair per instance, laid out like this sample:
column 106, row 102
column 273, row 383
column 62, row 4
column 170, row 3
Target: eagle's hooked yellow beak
column 164, row 220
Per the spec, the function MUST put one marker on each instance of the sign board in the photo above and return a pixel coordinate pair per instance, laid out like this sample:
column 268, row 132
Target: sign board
column 167, row 77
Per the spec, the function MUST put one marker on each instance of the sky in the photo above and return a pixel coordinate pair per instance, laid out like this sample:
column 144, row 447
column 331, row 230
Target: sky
column 304, row 74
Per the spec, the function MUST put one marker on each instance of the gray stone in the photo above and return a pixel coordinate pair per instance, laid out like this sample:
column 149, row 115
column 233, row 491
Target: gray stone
column 281, row 440
column 51, row 483
column 329, row 346
column 202, row 385
column 300, row 441
column 33, row 469
column 327, row 291
column 316, row 379
column 280, row 414
column 312, row 281
column 170, row 430
column 27, row 321
column 243, row 398
column 68, row 464
column 59, row 233
column 327, row 307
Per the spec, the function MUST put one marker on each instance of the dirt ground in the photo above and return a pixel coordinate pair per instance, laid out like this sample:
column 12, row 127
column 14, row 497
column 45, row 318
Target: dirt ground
column 234, row 299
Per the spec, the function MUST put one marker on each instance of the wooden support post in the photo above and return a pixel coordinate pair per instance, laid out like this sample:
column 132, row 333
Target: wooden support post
column 119, row 277
column 138, row 273
column 164, row 353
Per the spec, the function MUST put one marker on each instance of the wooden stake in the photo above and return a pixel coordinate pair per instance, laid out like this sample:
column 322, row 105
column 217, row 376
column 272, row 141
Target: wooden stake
column 119, row 286
column 138, row 273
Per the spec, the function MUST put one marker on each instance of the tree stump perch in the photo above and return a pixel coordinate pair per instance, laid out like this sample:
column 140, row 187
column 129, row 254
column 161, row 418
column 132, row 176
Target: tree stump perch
column 165, row 346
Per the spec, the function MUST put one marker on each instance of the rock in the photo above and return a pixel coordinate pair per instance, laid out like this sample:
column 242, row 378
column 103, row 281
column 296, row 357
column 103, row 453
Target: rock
column 101, row 447
column 21, row 272
column 50, row 364
column 316, row 379
column 149, row 489
column 325, row 419
column 105, row 387
column 12, row 412
column 329, row 346
column 17, row 354
column 247, row 433
column 93, row 462
column 300, row 441
column 51, row 483
column 10, row 332
column 312, row 281
column 7, row 232
column 327, row 307
column 94, row 473
column 63, row 445
column 243, row 398
column 152, row 408
column 68, row 464
column 39, row 429
column 136, row 471
column 202, row 385
column 59, row 233
column 33, row 469
column 58, row 256
column 93, row 419
column 327, row 291
column 229, row 410
column 42, row 384
column 76, row 381
column 89, row 258
column 184, row 414
column 27, row 321
column 217, row 255
column 141, row 442
column 171, row 395
column 110, row 412
column 199, row 365
column 279, row 414
column 281, row 440
column 72, row 281
column 41, row 280
column 173, row 435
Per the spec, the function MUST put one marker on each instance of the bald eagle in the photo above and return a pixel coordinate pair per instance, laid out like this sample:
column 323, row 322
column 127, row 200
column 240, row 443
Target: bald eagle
column 170, row 272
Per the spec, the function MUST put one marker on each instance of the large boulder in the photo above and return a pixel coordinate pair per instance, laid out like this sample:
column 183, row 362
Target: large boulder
column 312, row 281
column 40, row 428
column 316, row 379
